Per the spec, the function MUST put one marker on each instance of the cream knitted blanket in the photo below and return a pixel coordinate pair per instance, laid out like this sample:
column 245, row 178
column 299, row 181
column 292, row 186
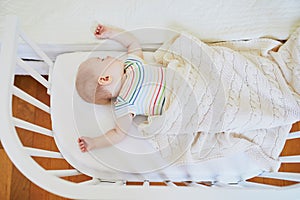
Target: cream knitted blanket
column 227, row 97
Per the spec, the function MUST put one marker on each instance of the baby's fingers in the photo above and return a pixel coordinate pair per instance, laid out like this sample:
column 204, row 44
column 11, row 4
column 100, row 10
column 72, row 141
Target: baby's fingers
column 99, row 30
column 83, row 149
column 82, row 145
column 94, row 26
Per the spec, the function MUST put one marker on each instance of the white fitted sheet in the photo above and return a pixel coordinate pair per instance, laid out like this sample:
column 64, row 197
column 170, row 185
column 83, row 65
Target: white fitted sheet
column 133, row 158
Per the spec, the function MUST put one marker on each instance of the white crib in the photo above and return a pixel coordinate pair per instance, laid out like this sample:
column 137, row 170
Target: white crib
column 52, row 180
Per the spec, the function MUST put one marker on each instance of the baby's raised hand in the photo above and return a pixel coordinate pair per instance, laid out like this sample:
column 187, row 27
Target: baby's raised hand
column 103, row 32
column 85, row 144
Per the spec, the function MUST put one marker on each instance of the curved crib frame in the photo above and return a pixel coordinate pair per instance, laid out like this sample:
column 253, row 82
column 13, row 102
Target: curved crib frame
column 50, row 180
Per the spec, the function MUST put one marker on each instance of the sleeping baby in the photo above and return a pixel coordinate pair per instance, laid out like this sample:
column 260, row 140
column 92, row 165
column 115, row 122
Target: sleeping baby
column 134, row 88
column 219, row 87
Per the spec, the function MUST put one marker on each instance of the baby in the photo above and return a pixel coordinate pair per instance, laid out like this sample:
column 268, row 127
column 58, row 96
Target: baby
column 133, row 87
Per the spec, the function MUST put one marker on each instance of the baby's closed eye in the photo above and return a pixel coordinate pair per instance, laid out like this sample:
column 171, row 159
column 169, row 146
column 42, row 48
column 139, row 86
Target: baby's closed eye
column 101, row 59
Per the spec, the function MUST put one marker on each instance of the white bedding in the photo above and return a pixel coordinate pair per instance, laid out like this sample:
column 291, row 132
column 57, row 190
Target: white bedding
column 241, row 96
column 132, row 159
column 68, row 21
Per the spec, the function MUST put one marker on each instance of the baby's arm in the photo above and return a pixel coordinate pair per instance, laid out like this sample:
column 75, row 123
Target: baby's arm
column 123, row 37
column 110, row 138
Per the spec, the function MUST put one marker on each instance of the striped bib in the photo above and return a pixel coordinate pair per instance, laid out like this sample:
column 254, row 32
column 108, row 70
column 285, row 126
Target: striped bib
column 143, row 90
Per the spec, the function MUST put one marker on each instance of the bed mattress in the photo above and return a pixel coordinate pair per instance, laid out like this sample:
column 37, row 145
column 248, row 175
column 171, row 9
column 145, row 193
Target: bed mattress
column 133, row 158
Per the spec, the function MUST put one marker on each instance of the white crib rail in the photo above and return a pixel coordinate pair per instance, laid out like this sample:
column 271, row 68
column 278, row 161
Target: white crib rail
column 23, row 95
column 32, row 72
column 31, row 127
column 42, row 153
column 43, row 56
column 294, row 135
column 290, row 159
column 50, row 180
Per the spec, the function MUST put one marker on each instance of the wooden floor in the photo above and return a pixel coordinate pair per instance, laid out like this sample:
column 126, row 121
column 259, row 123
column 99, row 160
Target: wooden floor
column 13, row 185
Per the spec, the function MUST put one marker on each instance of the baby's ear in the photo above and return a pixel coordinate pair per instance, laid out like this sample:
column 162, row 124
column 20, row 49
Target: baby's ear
column 104, row 80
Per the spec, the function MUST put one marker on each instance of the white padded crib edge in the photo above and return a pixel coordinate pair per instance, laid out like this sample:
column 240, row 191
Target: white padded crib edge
column 211, row 20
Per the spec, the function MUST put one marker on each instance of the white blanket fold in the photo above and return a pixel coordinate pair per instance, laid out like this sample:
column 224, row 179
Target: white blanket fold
column 227, row 97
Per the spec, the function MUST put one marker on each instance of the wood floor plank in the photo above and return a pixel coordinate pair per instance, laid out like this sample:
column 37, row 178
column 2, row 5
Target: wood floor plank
column 38, row 193
column 20, row 186
column 6, row 175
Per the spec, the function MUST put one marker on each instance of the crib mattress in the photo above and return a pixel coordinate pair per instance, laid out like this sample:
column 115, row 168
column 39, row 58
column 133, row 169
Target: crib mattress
column 133, row 158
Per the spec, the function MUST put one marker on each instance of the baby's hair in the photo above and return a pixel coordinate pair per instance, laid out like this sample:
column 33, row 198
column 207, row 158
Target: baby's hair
column 87, row 85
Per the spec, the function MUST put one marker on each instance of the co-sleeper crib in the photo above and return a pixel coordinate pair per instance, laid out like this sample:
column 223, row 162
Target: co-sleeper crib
column 53, row 180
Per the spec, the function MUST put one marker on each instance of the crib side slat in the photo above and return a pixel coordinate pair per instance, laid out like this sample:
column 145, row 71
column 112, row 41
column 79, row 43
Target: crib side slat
column 43, row 153
column 170, row 184
column 40, row 53
column 64, row 173
column 282, row 176
column 32, row 127
column 33, row 72
column 294, row 135
column 121, row 183
column 289, row 159
column 93, row 181
column 248, row 184
column 146, row 183
column 36, row 48
column 225, row 185
column 194, row 184
column 23, row 95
